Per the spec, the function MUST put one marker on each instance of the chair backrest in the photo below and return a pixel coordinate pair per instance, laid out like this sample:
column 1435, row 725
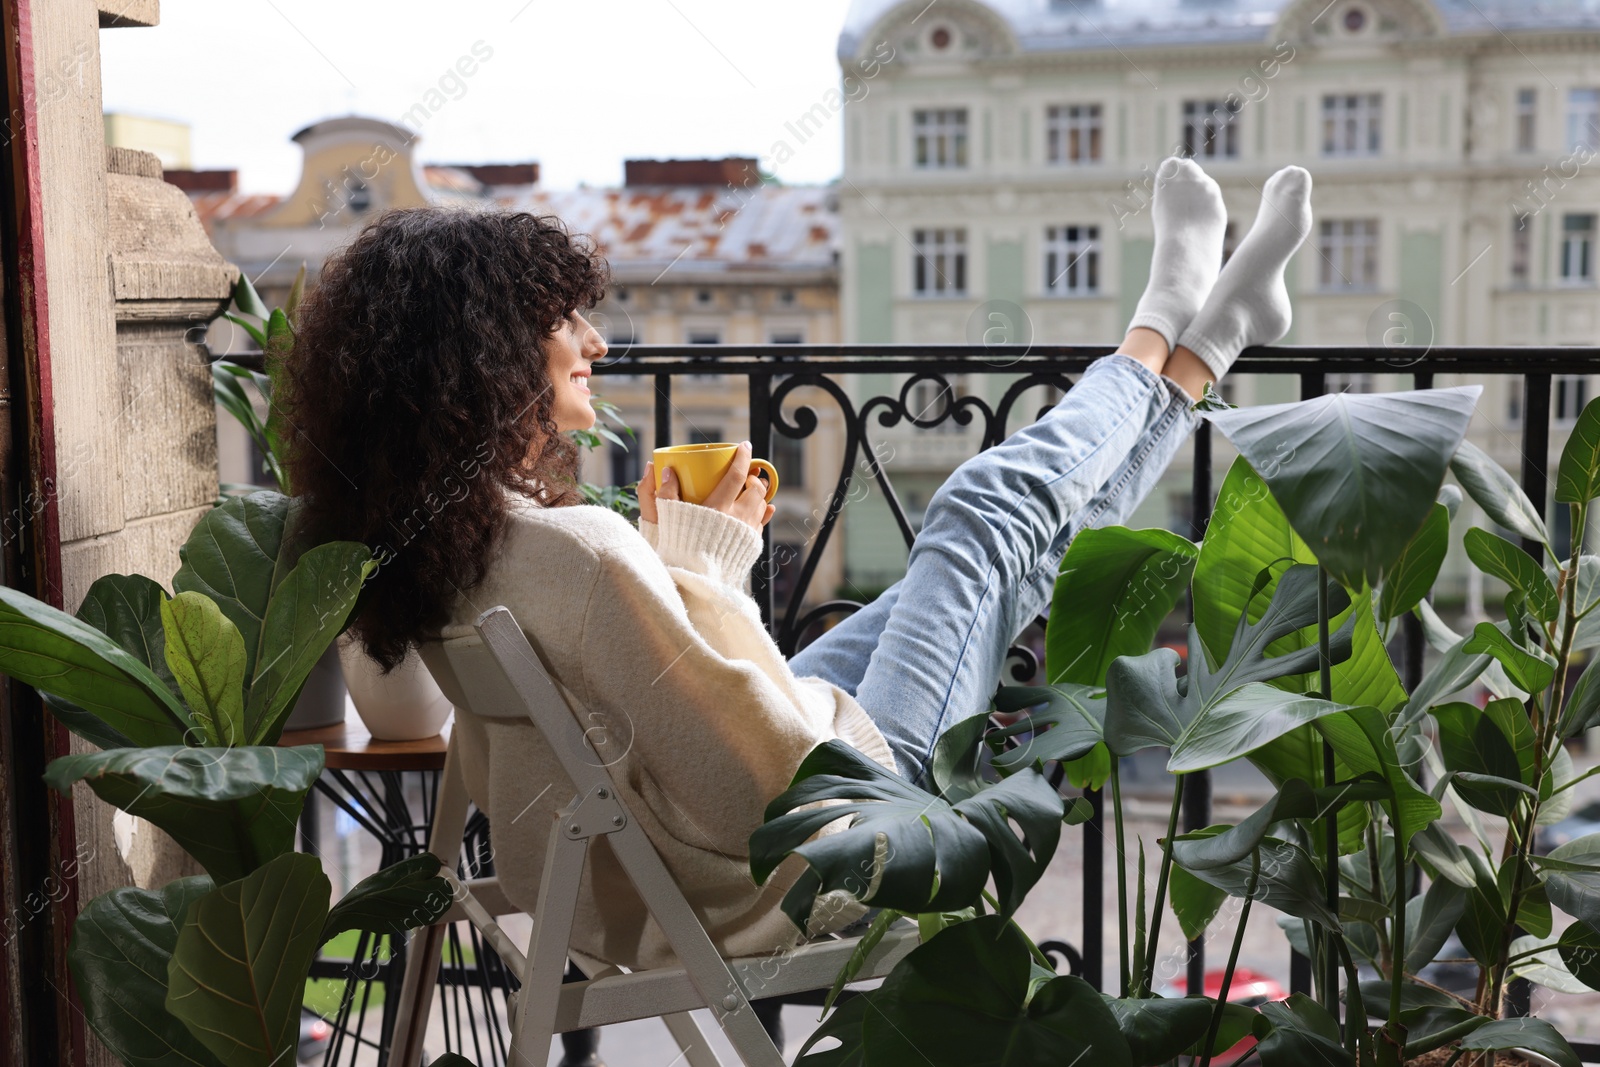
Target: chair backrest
column 495, row 673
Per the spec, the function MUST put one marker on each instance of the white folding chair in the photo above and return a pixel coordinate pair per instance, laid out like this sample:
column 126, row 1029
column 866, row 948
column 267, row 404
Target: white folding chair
column 497, row 674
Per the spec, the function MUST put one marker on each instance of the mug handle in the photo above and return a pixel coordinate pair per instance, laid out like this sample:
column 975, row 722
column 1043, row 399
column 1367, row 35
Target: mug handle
column 772, row 476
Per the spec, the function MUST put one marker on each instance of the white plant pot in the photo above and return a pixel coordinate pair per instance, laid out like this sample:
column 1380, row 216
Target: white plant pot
column 321, row 701
column 403, row 705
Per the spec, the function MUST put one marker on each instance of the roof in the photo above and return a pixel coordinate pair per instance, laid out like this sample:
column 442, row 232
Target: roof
column 1084, row 25
column 214, row 206
column 706, row 229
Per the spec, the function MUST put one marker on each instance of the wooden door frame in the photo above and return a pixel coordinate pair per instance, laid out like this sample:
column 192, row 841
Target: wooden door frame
column 42, row 1020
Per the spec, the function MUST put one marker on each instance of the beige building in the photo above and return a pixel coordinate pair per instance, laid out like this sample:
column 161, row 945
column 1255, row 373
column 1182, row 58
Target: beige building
column 168, row 141
column 999, row 174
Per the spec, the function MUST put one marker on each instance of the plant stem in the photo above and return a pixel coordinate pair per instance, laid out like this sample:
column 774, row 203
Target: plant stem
column 1122, row 869
column 1038, row 954
column 1355, row 1015
column 1399, row 913
column 1330, row 839
column 1149, row 974
column 1233, row 957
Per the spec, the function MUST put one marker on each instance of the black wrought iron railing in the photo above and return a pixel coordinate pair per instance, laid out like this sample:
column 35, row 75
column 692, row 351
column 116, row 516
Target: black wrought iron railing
column 774, row 373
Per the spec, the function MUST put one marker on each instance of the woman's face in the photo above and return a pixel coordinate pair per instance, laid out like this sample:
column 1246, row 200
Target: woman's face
column 570, row 350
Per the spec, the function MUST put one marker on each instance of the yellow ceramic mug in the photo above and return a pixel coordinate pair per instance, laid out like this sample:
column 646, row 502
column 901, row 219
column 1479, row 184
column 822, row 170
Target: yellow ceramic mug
column 700, row 467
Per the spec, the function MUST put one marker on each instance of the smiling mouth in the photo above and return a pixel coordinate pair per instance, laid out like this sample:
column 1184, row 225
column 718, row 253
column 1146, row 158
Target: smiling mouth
column 581, row 381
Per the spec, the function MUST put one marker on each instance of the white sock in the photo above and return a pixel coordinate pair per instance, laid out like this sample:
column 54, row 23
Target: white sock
column 1249, row 305
column 1190, row 220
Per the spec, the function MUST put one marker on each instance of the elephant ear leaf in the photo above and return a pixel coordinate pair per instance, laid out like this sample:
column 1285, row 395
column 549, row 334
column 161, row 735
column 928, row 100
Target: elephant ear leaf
column 1493, row 489
column 134, row 931
column 936, row 856
column 1356, row 474
column 237, row 973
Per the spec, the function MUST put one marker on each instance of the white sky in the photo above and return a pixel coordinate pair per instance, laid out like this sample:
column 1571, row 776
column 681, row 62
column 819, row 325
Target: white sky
column 578, row 85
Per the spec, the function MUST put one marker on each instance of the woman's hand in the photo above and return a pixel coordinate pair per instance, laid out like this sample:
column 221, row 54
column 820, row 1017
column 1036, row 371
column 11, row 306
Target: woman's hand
column 740, row 493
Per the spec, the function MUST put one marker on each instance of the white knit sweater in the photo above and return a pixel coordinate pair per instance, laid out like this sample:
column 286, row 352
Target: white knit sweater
column 696, row 713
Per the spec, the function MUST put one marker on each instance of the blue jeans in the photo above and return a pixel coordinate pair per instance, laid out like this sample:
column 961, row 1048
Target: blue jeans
column 929, row 651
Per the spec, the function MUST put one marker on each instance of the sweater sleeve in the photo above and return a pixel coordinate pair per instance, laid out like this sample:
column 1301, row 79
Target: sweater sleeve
column 715, row 720
column 649, row 531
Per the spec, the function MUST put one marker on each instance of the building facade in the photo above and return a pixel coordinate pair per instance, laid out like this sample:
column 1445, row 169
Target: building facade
column 997, row 182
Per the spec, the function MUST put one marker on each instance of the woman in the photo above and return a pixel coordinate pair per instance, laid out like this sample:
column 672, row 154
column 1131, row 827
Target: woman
column 439, row 362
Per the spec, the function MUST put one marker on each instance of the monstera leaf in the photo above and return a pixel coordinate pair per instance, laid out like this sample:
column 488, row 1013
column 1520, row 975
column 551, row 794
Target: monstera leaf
column 231, row 809
column 1356, row 474
column 128, row 932
column 1115, row 587
column 940, row 855
column 1070, row 722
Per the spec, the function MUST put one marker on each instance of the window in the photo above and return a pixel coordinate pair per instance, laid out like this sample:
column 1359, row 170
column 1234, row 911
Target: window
column 1569, row 393
column 941, row 262
column 788, row 458
column 627, row 465
column 1211, row 129
column 1527, row 116
column 786, row 337
column 705, row 337
column 1521, row 250
column 1583, row 118
column 1349, row 250
column 1073, row 133
column 622, row 294
column 707, row 435
column 1514, row 401
column 1072, row 260
column 1350, row 383
column 940, row 137
column 702, row 296
column 1577, row 249
column 1352, row 124
column 929, row 400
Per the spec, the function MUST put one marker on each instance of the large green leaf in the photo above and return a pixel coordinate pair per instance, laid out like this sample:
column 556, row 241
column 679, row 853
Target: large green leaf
column 1069, row 724
column 1115, row 587
column 1362, row 470
column 307, row 611
column 1296, row 799
column 120, row 947
column 50, row 650
column 1497, row 493
column 939, row 856
column 127, row 609
column 1221, row 713
column 1582, row 711
column 205, row 653
column 1578, row 475
column 1297, row 1032
column 401, row 897
column 236, row 556
column 843, row 1024
column 1571, row 876
column 1249, row 535
column 1474, row 745
column 1363, row 743
column 238, row 971
column 1529, row 670
column 963, row 998
column 1158, row 1029
column 1579, row 947
column 1537, row 1035
column 1194, row 903
column 1429, row 920
column 231, row 809
column 1496, row 556
column 1434, row 1026
column 1289, row 879
column 85, row 724
column 1414, row 573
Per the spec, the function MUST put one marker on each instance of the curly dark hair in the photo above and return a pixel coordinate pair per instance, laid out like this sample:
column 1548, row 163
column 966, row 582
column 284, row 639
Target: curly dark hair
column 416, row 395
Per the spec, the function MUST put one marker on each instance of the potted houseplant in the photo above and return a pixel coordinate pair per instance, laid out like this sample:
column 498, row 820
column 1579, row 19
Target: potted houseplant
column 185, row 695
column 1332, row 525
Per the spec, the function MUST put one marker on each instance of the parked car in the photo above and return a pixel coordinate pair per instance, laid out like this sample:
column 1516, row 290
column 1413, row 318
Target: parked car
column 314, row 1035
column 1581, row 823
column 1250, row 988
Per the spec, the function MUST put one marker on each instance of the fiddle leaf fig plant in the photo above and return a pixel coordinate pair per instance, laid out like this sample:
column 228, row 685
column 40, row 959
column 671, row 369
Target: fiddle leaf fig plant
column 186, row 695
column 1330, row 528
